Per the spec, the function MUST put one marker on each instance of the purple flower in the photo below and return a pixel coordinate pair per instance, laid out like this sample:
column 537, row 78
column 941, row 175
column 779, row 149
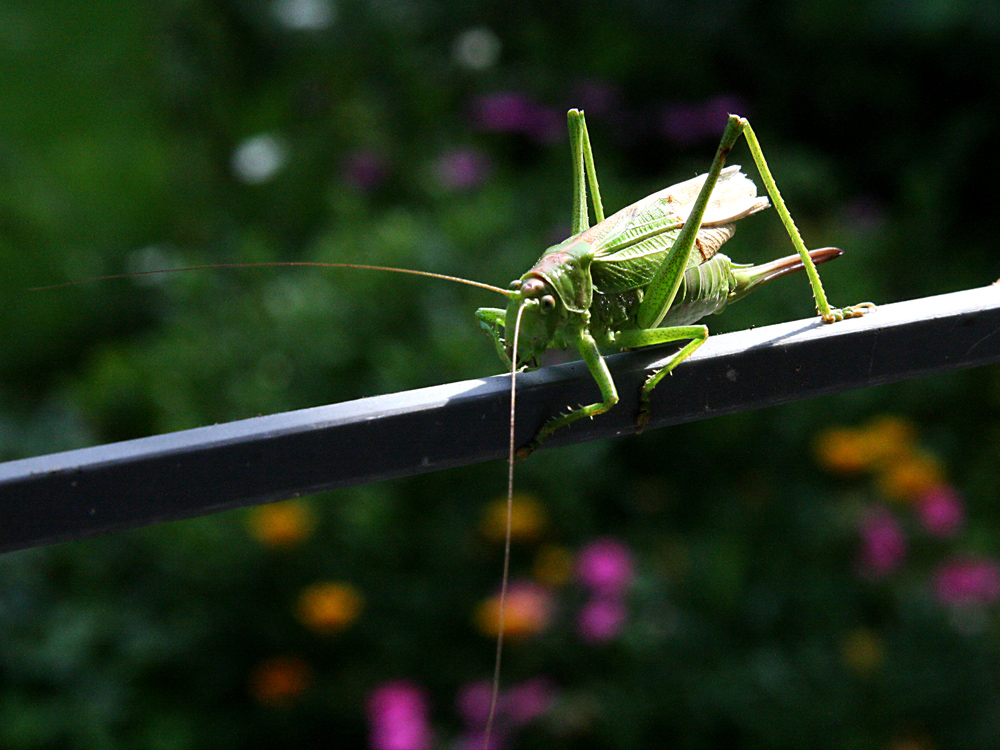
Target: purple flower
column 883, row 545
column 596, row 97
column 716, row 111
column 605, row 567
column 528, row 701
column 602, row 619
column 509, row 112
column 474, row 703
column 547, row 126
column 475, row 740
column 397, row 712
column 941, row 511
column 682, row 124
column 365, row 170
column 504, row 112
column 686, row 124
column 518, row 705
column 967, row 581
column 461, row 169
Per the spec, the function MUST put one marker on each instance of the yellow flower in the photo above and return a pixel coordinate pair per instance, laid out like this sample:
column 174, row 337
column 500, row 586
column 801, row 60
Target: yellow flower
column 862, row 651
column 888, row 439
column 910, row 477
column 883, row 441
column 328, row 607
column 553, row 565
column 527, row 519
column 283, row 524
column 279, row 680
column 841, row 451
column 526, row 612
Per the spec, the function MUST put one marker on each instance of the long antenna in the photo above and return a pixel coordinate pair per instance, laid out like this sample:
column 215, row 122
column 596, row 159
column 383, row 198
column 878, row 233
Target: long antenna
column 495, row 692
column 280, row 264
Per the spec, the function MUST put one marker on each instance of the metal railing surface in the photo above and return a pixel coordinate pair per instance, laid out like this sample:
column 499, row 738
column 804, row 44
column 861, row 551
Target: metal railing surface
column 89, row 491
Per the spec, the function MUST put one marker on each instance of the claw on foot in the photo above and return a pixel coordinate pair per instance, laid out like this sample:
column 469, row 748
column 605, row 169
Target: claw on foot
column 854, row 311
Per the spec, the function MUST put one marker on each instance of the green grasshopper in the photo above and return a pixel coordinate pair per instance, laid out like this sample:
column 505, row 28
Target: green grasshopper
column 640, row 277
column 644, row 275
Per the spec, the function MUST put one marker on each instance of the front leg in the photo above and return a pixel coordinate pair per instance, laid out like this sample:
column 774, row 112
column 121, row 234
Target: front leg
column 602, row 376
column 491, row 320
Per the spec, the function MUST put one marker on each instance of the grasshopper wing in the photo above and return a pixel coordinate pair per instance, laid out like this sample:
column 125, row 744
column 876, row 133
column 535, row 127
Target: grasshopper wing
column 630, row 245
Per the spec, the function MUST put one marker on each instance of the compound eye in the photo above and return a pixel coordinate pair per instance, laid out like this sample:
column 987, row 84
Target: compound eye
column 548, row 302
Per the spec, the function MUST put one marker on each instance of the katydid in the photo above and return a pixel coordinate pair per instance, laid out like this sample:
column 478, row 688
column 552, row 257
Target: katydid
column 644, row 275
column 640, row 277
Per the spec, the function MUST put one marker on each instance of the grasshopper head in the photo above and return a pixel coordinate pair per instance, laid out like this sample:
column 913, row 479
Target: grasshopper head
column 542, row 318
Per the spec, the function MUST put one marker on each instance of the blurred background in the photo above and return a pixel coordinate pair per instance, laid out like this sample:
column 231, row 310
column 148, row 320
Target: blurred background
column 821, row 575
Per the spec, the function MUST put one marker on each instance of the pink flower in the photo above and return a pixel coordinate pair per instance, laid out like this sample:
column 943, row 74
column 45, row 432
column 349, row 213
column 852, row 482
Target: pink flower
column 509, row 112
column 474, row 703
column 602, row 619
column 397, row 712
column 883, row 545
column 461, row 169
column 967, row 581
column 605, row 567
column 528, row 701
column 941, row 511
column 520, row 704
column 516, row 707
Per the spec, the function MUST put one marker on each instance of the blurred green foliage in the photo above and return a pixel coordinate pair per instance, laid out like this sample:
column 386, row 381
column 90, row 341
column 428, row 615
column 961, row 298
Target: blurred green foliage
column 430, row 135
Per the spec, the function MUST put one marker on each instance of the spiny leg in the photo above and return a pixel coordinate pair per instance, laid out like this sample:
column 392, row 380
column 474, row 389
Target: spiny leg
column 609, row 395
column 828, row 314
column 663, row 288
column 634, row 339
column 584, row 173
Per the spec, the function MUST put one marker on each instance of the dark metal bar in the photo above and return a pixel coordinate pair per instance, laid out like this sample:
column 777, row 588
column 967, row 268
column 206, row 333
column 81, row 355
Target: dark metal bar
column 95, row 490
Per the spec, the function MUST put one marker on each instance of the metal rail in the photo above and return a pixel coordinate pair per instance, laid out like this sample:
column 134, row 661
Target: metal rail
column 79, row 493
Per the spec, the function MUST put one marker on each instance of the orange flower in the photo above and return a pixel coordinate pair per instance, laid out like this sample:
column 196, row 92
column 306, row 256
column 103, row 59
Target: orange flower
column 911, row 477
column 328, row 607
column 279, row 680
column 527, row 519
column 283, row 524
column 526, row 612
column 885, row 440
column 841, row 451
column 888, row 439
